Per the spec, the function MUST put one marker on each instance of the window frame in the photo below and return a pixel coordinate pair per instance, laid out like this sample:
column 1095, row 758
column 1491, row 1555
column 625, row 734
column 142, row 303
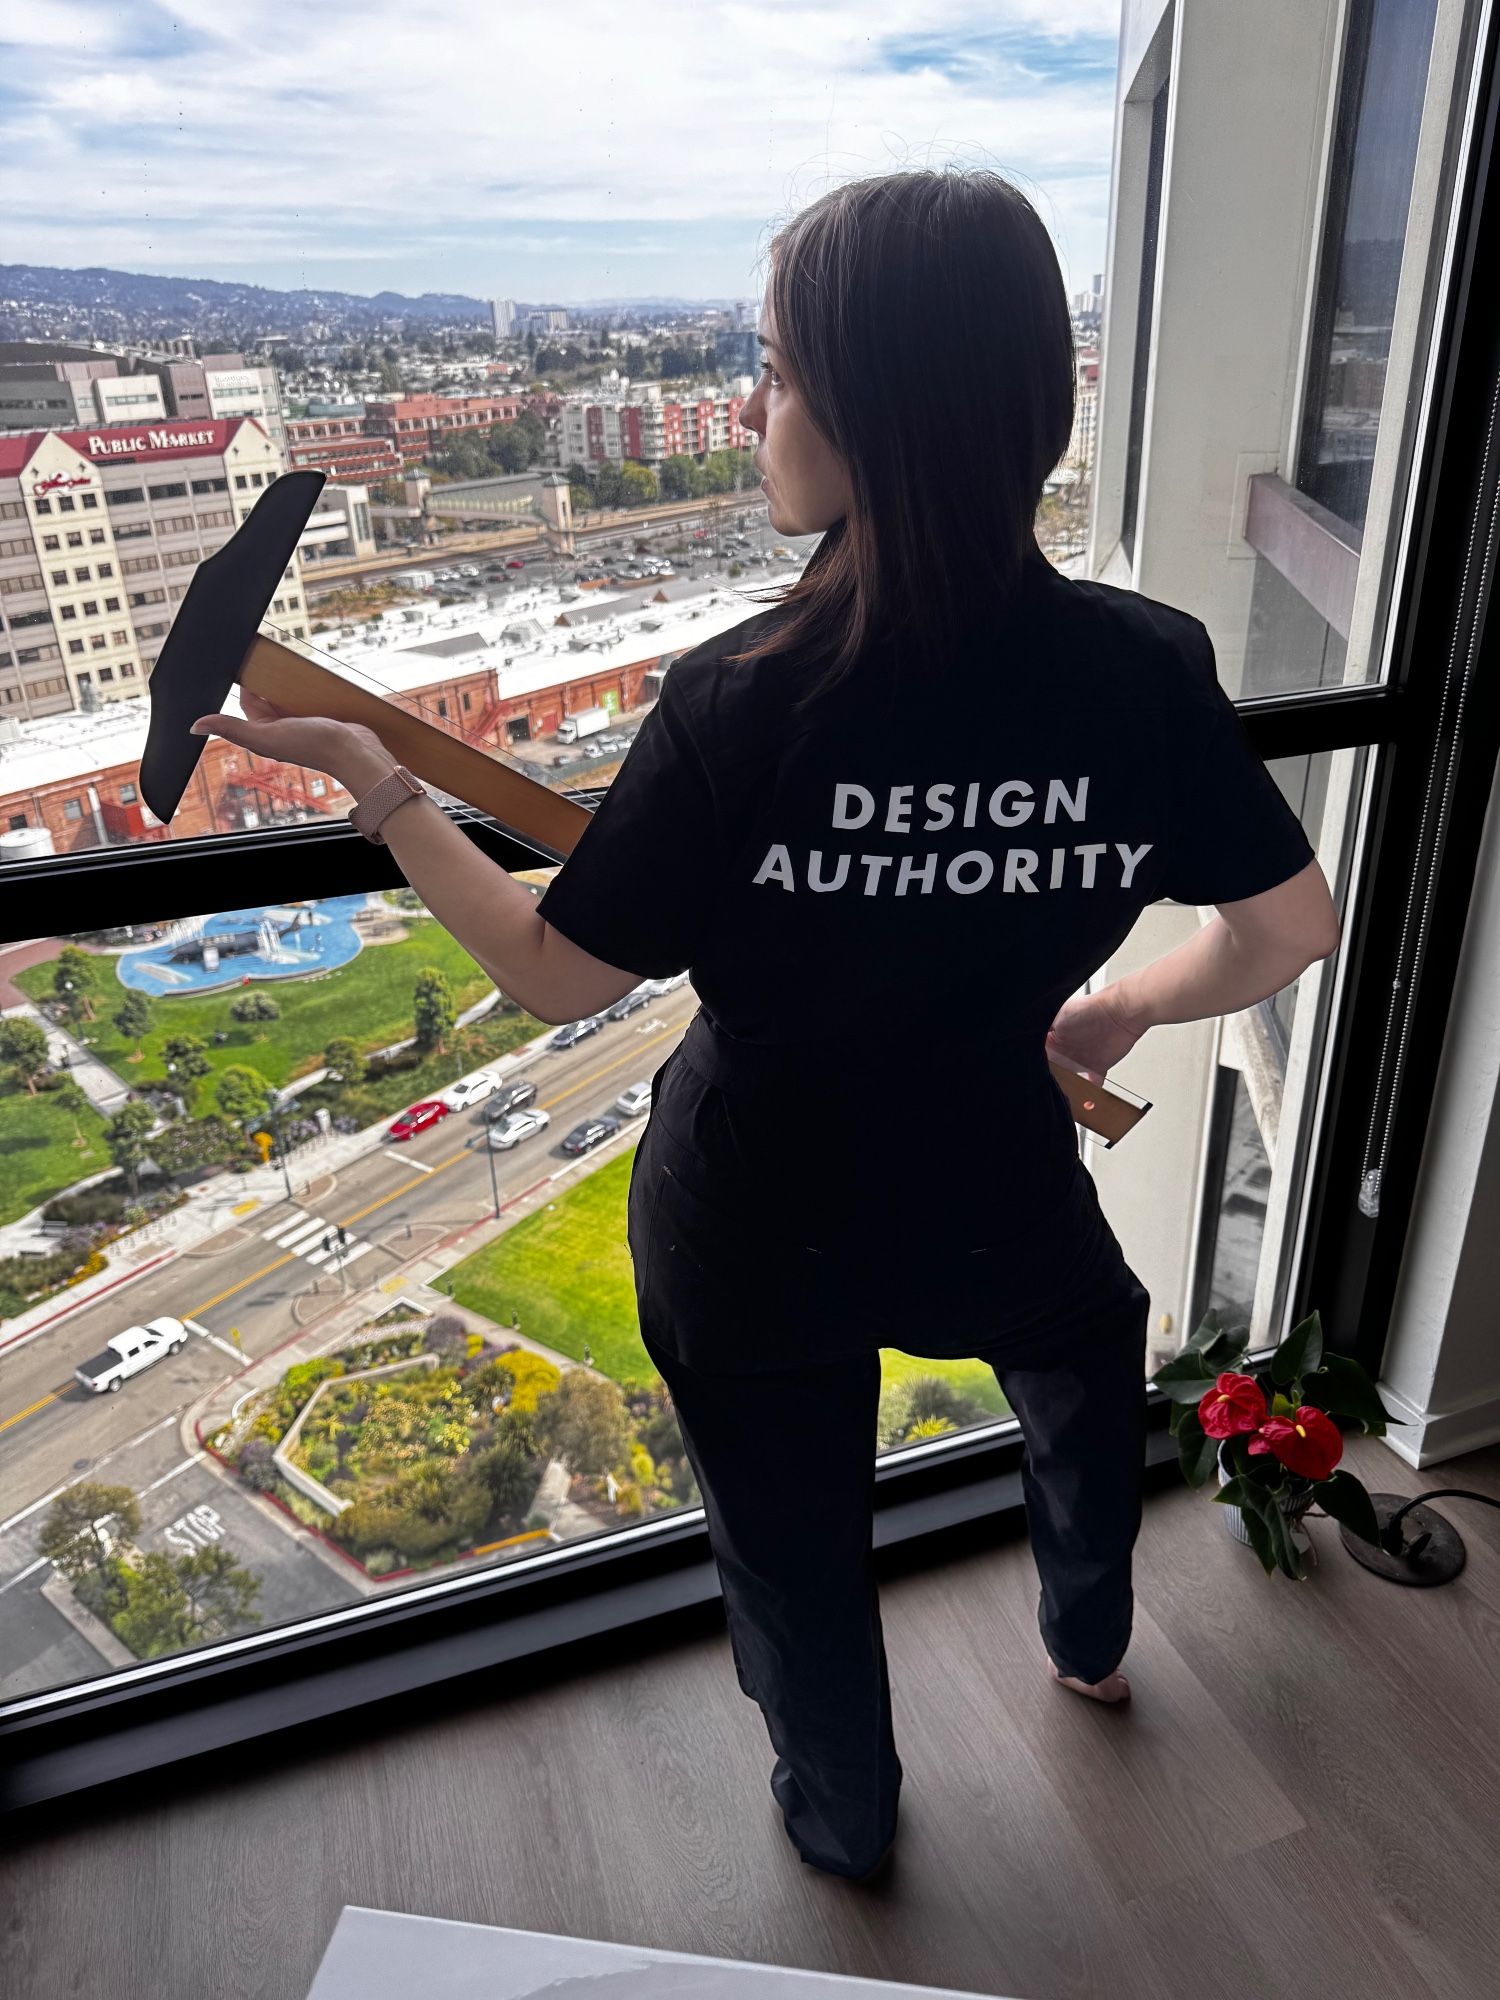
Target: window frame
column 659, row 1575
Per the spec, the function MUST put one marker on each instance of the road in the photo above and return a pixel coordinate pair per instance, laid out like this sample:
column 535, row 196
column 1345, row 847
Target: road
column 257, row 1288
column 588, row 545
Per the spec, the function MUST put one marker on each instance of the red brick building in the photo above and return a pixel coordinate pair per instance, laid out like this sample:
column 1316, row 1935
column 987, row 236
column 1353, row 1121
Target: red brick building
column 419, row 425
column 341, row 448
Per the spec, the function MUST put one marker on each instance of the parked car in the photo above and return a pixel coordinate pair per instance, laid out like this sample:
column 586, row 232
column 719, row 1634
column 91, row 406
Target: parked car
column 518, row 1125
column 656, row 987
column 634, row 1099
column 129, row 1352
column 510, row 1097
column 515, row 562
column 591, row 1133
column 468, row 569
column 573, row 1032
column 459, row 1096
column 566, row 757
column 418, row 1117
column 628, row 1003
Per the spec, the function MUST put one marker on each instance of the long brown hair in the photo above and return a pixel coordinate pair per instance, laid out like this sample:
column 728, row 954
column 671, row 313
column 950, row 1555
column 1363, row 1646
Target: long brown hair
column 923, row 320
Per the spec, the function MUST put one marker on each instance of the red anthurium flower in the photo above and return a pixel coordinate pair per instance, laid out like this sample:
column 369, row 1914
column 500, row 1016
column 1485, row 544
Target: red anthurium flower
column 1235, row 1403
column 1310, row 1443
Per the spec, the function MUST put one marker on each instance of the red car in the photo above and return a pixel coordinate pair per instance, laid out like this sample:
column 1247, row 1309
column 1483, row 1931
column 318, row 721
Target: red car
column 418, row 1118
column 515, row 563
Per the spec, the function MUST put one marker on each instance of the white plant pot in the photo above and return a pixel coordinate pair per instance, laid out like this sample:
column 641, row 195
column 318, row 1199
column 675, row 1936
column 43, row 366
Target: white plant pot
column 1234, row 1517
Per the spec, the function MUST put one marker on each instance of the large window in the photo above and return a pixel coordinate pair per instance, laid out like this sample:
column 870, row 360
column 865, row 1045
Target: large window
column 317, row 1326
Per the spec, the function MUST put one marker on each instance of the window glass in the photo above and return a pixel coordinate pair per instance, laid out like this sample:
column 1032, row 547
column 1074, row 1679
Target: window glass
column 366, row 1328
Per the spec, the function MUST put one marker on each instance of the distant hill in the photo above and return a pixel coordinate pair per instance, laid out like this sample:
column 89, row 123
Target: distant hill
column 38, row 301
column 41, row 302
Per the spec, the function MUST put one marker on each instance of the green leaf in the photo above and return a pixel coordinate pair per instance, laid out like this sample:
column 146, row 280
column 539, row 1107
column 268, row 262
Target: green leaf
column 1341, row 1388
column 1300, row 1353
column 1342, row 1496
column 1186, row 1377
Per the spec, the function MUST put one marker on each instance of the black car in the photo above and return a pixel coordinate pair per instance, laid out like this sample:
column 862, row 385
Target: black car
column 510, row 1097
column 574, row 1031
column 626, row 1006
column 592, row 1132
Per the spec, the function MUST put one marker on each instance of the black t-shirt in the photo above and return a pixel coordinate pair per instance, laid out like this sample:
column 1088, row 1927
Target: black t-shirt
column 908, row 862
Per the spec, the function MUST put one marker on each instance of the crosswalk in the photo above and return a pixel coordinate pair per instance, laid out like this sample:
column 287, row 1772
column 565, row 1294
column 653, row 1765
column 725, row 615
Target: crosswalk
column 305, row 1236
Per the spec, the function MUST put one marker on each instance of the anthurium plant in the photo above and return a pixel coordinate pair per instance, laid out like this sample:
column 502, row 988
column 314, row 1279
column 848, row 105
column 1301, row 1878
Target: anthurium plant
column 1283, row 1455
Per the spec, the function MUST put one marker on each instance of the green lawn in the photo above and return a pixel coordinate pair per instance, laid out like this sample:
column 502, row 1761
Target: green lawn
column 566, row 1271
column 370, row 999
column 37, row 1151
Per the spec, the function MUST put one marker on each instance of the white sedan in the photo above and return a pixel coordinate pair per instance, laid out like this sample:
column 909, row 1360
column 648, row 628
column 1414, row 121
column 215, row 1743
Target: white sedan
column 518, row 1125
column 459, row 1096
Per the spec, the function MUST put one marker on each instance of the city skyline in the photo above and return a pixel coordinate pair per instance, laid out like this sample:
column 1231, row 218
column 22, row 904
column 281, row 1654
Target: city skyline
column 181, row 144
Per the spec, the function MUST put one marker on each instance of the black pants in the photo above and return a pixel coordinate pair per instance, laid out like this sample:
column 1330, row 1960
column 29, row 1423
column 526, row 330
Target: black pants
column 771, row 1349
column 785, row 1460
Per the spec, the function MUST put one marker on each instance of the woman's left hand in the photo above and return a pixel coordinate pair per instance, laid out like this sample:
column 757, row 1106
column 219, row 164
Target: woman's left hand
column 316, row 742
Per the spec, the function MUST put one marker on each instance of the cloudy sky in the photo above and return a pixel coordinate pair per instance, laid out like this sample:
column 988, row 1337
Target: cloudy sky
column 496, row 148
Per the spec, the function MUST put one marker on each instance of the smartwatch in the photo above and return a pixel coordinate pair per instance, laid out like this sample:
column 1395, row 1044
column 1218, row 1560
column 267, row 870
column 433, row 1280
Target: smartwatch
column 382, row 799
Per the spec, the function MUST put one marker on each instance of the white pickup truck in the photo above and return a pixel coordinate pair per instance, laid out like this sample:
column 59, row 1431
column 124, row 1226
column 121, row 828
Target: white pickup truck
column 129, row 1352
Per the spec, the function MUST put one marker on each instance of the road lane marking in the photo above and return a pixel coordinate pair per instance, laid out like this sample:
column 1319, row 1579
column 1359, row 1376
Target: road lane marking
column 31, row 1409
column 226, row 1346
column 42, row 1562
column 265, row 1270
column 173, row 1473
column 285, row 1236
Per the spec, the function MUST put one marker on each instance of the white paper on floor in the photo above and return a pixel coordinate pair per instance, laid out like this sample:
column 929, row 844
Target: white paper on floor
column 382, row 1955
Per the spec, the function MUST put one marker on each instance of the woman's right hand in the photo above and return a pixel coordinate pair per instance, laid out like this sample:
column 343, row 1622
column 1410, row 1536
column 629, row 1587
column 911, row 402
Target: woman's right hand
column 1088, row 1033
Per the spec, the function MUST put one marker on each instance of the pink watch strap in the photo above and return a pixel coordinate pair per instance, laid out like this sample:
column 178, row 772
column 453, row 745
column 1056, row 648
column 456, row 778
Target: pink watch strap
column 393, row 790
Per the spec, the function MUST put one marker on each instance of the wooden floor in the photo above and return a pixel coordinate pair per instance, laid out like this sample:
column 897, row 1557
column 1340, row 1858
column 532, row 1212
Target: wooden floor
column 1302, row 1798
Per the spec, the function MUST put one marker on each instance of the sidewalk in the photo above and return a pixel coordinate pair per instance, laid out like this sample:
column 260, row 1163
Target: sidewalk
column 214, row 1205
column 100, row 1085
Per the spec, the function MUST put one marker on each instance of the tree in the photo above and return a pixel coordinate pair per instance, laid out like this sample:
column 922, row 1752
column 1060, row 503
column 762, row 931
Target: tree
column 390, row 377
column 193, row 1143
column 72, row 984
column 70, row 1537
column 584, row 1423
column 171, row 1605
column 434, row 1008
column 23, row 1046
column 254, row 1007
column 345, row 1063
column 133, row 1019
column 71, row 1099
column 188, row 1057
column 127, row 1135
column 242, row 1092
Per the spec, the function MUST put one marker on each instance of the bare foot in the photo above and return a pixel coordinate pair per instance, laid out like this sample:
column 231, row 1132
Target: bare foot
column 1113, row 1688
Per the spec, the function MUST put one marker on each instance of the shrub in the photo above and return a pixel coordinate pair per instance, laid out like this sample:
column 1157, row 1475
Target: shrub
column 256, row 1466
column 448, row 1335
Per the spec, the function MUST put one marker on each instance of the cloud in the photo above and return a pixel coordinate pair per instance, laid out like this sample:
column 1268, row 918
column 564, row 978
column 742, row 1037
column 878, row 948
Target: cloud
column 462, row 146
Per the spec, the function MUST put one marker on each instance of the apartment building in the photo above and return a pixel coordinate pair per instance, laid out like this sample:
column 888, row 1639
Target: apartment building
column 645, row 426
column 54, row 386
column 341, row 448
column 100, row 532
column 59, row 394
column 419, row 425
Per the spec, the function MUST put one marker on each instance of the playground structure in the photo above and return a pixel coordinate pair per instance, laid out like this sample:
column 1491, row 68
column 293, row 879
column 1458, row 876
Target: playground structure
column 269, row 942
